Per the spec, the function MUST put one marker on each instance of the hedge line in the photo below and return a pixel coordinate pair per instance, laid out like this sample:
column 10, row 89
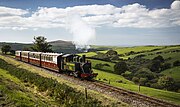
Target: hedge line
column 63, row 94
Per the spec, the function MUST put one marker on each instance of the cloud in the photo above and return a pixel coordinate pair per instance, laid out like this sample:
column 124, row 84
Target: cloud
column 175, row 5
column 11, row 11
column 132, row 15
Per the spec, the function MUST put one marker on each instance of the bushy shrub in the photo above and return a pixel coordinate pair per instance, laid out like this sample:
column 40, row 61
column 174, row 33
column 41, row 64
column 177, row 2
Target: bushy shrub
column 156, row 85
column 165, row 66
column 135, row 80
column 120, row 67
column 111, row 52
column 145, row 73
column 159, row 57
column 176, row 63
column 155, row 66
column 143, row 81
column 166, row 82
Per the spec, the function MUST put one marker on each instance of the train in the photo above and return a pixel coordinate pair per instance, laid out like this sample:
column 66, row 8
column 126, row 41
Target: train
column 70, row 64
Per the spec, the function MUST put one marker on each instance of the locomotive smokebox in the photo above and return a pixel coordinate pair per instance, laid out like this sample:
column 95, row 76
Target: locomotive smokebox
column 83, row 58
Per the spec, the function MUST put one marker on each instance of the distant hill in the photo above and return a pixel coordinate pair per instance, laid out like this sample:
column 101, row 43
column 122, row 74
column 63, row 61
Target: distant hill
column 63, row 46
column 57, row 46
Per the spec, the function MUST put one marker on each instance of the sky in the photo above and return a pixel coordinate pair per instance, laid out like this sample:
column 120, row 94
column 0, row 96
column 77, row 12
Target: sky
column 97, row 22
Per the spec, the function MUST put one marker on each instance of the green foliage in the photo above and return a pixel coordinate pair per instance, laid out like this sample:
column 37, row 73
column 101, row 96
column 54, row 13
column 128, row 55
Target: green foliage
column 176, row 63
column 6, row 48
column 102, row 56
column 111, row 52
column 41, row 45
column 135, row 80
column 100, row 66
column 120, row 67
column 159, row 57
column 173, row 72
column 165, row 66
column 166, row 82
column 143, row 81
column 145, row 73
column 155, row 66
column 61, row 93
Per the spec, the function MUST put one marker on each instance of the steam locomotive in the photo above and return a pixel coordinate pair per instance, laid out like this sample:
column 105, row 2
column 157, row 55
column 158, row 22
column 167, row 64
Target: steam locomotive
column 69, row 63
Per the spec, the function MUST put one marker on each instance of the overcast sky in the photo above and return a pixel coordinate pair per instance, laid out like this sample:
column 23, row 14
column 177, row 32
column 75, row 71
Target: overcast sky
column 99, row 22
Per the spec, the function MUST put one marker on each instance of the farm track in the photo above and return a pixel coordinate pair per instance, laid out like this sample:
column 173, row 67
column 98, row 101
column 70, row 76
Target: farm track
column 132, row 98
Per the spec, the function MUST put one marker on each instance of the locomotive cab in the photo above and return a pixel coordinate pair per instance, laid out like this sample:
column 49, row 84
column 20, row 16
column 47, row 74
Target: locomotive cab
column 77, row 66
column 87, row 71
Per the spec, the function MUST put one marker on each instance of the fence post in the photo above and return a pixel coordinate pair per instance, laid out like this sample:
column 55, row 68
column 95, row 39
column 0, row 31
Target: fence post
column 86, row 92
column 139, row 87
column 109, row 81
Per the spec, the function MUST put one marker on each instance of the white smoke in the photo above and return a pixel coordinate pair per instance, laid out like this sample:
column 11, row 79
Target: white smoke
column 81, row 31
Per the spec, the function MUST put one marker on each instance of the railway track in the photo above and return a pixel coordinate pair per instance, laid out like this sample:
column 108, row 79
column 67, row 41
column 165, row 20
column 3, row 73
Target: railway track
column 132, row 98
column 136, row 96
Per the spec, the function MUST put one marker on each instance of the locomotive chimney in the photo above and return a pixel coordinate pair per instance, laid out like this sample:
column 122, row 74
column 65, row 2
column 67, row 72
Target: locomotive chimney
column 83, row 58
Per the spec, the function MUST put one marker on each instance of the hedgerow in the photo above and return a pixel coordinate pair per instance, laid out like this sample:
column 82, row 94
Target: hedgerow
column 62, row 93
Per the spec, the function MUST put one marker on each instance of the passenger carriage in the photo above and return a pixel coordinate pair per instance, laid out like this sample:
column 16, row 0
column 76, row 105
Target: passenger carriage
column 25, row 56
column 35, row 58
column 50, row 61
column 18, row 55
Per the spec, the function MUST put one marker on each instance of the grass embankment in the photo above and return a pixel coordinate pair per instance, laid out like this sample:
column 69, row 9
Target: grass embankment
column 126, row 84
column 61, row 93
column 14, row 93
column 101, row 97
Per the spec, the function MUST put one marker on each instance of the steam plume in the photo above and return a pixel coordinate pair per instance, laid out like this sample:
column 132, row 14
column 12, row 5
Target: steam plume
column 82, row 32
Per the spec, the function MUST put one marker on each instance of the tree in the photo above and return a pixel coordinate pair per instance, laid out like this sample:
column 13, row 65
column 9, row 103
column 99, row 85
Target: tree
column 166, row 82
column 26, row 49
column 135, row 80
column 159, row 57
column 155, row 66
column 41, row 45
column 6, row 48
column 145, row 73
column 120, row 67
column 142, row 81
column 111, row 52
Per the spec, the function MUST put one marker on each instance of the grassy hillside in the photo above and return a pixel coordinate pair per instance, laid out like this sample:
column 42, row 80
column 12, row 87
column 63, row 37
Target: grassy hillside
column 162, row 50
column 122, row 50
column 110, row 66
column 173, row 72
column 14, row 93
column 119, row 81
column 169, row 53
column 105, row 76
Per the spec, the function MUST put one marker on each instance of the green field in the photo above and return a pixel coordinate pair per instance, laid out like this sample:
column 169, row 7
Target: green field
column 150, row 52
column 88, row 54
column 173, row 72
column 151, row 55
column 122, row 50
column 105, row 76
column 126, row 84
column 107, row 68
